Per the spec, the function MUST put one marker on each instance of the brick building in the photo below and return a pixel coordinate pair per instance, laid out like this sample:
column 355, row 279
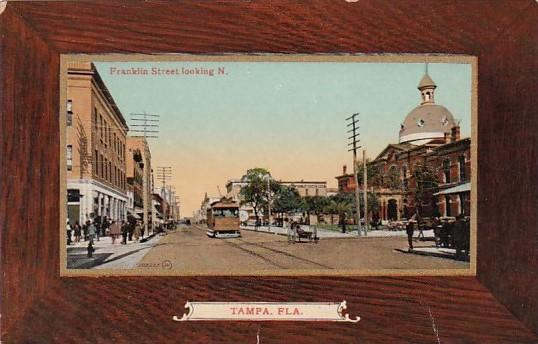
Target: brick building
column 428, row 171
column 138, row 173
column 95, row 133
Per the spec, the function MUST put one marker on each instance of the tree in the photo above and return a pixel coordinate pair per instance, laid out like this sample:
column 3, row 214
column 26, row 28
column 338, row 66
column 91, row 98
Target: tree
column 341, row 204
column 373, row 204
column 314, row 205
column 425, row 176
column 286, row 200
column 255, row 192
column 372, row 172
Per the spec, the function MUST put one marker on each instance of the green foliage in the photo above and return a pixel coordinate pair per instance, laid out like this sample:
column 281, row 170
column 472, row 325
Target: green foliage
column 373, row 203
column 286, row 200
column 314, row 204
column 373, row 173
column 341, row 204
column 256, row 191
column 426, row 183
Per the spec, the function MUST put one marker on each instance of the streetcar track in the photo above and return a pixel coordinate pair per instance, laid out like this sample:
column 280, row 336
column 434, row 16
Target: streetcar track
column 257, row 255
column 265, row 259
column 286, row 254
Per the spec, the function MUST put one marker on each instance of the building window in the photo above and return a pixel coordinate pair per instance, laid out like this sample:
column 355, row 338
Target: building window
column 95, row 119
column 101, row 127
column 463, row 204
column 404, row 177
column 69, row 113
column 448, row 211
column 95, row 163
column 446, row 170
column 461, row 165
column 69, row 157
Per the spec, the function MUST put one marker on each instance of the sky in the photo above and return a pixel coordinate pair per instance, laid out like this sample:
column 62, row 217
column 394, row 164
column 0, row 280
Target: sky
column 288, row 117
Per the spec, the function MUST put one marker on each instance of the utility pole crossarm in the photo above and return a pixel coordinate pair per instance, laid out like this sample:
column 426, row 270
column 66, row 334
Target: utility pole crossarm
column 353, row 123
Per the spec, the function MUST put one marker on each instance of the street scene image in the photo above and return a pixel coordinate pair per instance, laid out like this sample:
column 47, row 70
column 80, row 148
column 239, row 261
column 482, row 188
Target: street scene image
column 223, row 166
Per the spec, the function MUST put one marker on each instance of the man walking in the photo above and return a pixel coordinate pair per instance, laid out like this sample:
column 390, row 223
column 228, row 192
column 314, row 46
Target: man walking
column 91, row 232
column 124, row 232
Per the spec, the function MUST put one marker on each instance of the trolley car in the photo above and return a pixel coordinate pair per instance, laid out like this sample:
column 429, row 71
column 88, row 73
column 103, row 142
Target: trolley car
column 223, row 220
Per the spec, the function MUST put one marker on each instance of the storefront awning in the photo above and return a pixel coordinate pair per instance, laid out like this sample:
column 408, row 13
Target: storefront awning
column 456, row 189
column 133, row 214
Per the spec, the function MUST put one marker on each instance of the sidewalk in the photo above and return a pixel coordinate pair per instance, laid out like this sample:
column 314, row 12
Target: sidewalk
column 432, row 251
column 108, row 255
column 326, row 233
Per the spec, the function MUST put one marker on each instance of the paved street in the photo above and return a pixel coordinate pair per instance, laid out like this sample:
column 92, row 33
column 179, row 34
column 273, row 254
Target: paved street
column 108, row 255
column 189, row 250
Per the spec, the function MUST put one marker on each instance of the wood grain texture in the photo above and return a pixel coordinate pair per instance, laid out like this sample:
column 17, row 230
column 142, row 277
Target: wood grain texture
column 29, row 167
column 393, row 310
column 508, row 206
column 47, row 309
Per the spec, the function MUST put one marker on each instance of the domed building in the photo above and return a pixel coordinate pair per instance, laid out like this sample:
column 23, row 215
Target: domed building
column 427, row 172
column 428, row 121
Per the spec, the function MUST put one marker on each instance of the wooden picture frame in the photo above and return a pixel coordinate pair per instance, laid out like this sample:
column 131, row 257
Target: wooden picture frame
column 500, row 304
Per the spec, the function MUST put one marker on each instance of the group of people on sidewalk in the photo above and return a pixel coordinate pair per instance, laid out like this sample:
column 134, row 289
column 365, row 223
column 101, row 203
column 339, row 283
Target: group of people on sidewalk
column 448, row 234
column 98, row 228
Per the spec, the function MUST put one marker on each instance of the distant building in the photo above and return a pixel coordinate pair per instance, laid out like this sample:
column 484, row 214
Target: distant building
column 206, row 203
column 305, row 188
column 96, row 134
column 139, row 176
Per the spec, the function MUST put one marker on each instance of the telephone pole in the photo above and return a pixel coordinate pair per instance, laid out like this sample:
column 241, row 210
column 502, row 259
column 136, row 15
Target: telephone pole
column 365, row 191
column 164, row 173
column 354, row 143
column 145, row 126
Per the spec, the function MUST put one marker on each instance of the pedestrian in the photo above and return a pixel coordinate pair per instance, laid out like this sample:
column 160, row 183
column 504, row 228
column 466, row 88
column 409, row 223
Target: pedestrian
column 409, row 228
column 78, row 232
column 104, row 227
column 459, row 236
column 92, row 229
column 90, row 249
column 130, row 228
column 115, row 231
column 85, row 230
column 98, row 223
column 137, row 231
column 124, row 232
column 420, row 227
column 68, row 229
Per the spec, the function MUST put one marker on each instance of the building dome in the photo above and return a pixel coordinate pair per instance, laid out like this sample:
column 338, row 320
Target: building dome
column 428, row 121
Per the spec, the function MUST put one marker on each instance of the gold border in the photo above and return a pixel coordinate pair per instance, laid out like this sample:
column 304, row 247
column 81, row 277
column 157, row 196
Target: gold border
column 305, row 58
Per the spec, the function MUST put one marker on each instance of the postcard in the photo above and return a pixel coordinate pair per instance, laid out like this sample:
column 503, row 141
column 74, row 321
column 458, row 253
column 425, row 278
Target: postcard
column 268, row 165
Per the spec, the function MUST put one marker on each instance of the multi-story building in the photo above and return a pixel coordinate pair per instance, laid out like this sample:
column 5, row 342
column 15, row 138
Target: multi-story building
column 138, row 172
column 206, row 203
column 428, row 171
column 96, row 160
